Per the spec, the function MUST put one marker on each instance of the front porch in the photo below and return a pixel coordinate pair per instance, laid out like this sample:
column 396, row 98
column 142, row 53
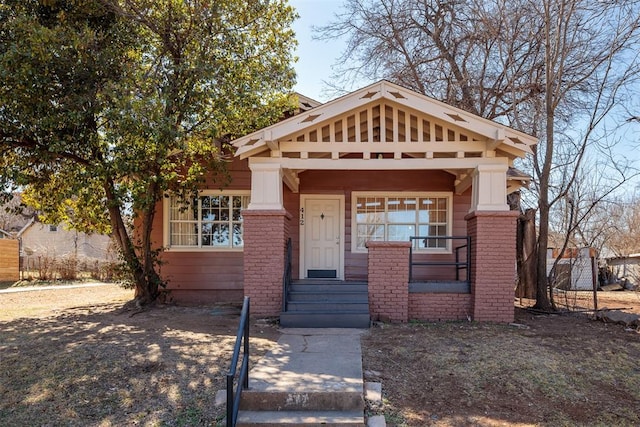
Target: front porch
column 350, row 181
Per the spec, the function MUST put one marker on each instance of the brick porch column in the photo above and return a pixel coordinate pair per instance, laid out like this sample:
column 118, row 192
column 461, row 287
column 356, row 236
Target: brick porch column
column 265, row 239
column 493, row 264
column 388, row 265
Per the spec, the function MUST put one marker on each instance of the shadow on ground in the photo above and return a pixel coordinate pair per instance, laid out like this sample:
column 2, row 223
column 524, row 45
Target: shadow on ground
column 97, row 366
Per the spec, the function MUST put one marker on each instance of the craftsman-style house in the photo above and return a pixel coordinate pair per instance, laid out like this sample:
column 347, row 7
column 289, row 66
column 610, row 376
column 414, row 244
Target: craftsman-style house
column 395, row 206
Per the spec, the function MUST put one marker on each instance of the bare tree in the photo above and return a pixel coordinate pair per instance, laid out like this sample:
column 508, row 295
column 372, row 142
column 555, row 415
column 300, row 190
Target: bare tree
column 479, row 56
column 590, row 62
column 622, row 236
column 563, row 70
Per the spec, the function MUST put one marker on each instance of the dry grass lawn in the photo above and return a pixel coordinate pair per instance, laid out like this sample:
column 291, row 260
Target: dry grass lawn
column 81, row 362
column 71, row 358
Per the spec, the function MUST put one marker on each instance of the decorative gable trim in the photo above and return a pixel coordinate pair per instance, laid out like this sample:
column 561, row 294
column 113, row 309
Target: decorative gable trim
column 386, row 115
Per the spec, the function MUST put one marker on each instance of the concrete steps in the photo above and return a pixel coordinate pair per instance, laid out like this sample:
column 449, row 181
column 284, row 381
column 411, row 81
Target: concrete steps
column 297, row 384
column 314, row 303
column 298, row 418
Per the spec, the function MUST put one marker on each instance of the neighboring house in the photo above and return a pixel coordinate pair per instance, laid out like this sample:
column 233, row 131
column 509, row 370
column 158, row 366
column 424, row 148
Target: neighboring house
column 576, row 270
column 40, row 241
column 350, row 182
column 624, row 269
column 14, row 216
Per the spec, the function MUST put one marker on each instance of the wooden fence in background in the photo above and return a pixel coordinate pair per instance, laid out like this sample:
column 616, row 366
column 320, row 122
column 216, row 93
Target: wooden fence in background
column 9, row 260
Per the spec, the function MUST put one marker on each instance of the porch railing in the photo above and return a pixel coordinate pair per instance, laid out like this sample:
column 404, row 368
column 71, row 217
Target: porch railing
column 286, row 276
column 458, row 264
column 242, row 340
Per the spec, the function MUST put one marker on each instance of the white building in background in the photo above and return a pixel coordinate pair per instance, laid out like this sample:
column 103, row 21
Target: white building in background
column 40, row 240
column 576, row 270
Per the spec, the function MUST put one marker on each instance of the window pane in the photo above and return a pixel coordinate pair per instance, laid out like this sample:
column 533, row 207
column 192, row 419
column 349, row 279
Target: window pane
column 181, row 210
column 433, row 230
column 425, row 207
column 440, row 216
column 236, row 208
column 219, row 234
column 237, row 235
column 401, row 233
column 183, row 234
column 370, row 210
column 223, row 202
column 401, row 210
column 368, row 232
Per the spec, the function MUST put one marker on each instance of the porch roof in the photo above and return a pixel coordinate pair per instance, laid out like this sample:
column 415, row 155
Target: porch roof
column 387, row 121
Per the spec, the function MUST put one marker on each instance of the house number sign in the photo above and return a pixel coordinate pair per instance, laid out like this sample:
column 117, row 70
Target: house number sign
column 301, row 216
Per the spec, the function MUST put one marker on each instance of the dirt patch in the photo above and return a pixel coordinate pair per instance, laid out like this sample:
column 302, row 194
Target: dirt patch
column 544, row 370
column 82, row 362
column 627, row 301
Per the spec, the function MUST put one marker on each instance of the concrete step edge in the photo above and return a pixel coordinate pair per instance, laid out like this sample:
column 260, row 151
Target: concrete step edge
column 257, row 400
column 300, row 418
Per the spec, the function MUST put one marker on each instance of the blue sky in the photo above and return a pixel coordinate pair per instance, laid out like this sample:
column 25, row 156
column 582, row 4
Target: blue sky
column 315, row 57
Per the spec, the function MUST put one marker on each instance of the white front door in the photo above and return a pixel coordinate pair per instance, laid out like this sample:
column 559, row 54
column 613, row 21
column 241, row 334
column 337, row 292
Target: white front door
column 322, row 237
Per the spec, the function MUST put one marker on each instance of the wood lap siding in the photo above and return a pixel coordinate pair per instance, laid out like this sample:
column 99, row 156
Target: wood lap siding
column 202, row 276
column 218, row 274
column 346, row 182
column 205, row 276
column 292, row 205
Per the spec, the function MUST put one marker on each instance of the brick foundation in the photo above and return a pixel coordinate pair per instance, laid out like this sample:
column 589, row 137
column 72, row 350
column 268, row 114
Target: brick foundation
column 265, row 237
column 388, row 264
column 493, row 264
column 439, row 306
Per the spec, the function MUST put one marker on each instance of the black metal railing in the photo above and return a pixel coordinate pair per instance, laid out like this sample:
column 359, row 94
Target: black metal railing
column 286, row 276
column 458, row 264
column 242, row 340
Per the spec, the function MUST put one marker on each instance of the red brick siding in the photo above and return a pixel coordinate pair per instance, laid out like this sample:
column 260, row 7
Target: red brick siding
column 389, row 280
column 439, row 306
column 265, row 236
column 493, row 260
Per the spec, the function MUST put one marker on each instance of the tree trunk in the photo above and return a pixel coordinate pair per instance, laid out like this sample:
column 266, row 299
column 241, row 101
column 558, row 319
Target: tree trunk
column 542, row 299
column 527, row 256
column 145, row 279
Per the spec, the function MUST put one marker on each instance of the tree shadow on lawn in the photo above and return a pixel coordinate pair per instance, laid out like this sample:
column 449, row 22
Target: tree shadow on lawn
column 99, row 367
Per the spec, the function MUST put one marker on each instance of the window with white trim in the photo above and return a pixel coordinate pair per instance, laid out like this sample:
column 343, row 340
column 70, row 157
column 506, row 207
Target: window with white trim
column 206, row 221
column 396, row 218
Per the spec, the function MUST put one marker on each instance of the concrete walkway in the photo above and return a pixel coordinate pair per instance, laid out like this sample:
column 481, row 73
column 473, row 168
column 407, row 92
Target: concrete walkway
column 313, row 375
column 53, row 287
column 311, row 360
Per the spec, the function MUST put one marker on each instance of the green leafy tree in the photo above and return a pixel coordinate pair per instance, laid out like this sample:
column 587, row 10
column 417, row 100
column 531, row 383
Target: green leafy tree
column 106, row 105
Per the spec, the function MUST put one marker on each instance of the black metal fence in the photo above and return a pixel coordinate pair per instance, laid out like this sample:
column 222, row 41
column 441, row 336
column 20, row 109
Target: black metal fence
column 242, row 341
column 462, row 254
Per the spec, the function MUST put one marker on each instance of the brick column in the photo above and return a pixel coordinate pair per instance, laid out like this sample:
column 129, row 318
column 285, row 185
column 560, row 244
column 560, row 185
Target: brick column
column 493, row 264
column 388, row 265
column 265, row 237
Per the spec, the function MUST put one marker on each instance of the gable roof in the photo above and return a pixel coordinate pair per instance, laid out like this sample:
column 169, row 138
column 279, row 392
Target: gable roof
column 398, row 115
column 32, row 221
